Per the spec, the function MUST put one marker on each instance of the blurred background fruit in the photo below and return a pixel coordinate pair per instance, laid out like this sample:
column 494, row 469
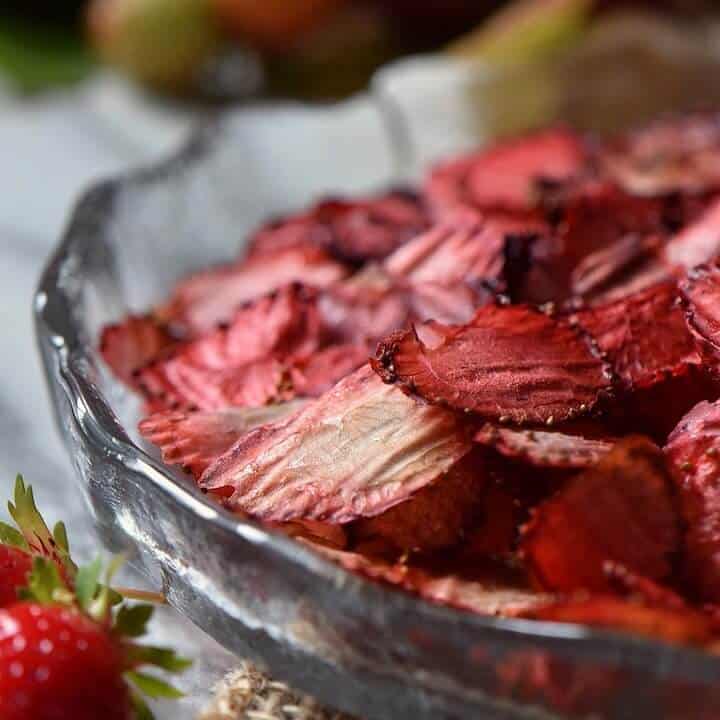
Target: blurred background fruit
column 163, row 43
column 274, row 25
column 312, row 49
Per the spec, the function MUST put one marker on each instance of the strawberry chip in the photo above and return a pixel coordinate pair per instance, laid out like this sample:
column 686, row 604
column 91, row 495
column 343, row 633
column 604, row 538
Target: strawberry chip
column 510, row 363
column 194, row 440
column 356, row 231
column 436, row 516
column 677, row 154
column 621, row 510
column 131, row 344
column 693, row 449
column 357, row 451
column 643, row 351
column 207, row 299
column 484, row 595
column 240, row 364
column 630, row 584
column 698, row 242
column 505, row 176
column 544, row 449
column 623, row 268
column 671, row 625
column 701, row 294
column 466, row 247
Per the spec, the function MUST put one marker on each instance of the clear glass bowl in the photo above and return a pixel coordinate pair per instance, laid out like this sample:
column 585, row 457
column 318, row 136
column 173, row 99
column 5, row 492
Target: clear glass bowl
column 356, row 645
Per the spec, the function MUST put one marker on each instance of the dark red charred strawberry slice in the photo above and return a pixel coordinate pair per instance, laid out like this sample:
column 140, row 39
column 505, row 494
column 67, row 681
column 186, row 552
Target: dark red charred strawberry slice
column 511, row 363
column 359, row 450
column 243, row 360
column 544, row 449
column 194, row 440
column 693, row 451
column 435, row 517
column 680, row 154
column 132, row 344
column 672, row 625
column 505, row 176
column 644, row 336
column 701, row 294
column 698, row 242
column 621, row 510
column 465, row 247
column 356, row 231
column 207, row 299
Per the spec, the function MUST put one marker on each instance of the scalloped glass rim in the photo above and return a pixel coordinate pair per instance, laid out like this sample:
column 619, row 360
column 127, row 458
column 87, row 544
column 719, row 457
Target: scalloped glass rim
column 361, row 639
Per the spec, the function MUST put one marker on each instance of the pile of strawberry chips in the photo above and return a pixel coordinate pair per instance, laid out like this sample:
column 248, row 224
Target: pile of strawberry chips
column 498, row 392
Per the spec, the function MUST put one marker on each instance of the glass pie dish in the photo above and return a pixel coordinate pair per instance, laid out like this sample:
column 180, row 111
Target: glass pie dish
column 355, row 645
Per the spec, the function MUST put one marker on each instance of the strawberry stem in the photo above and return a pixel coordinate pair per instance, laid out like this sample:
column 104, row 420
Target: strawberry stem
column 155, row 598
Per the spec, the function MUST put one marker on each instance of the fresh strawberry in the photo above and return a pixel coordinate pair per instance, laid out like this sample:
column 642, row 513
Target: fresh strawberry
column 68, row 645
column 56, row 662
column 31, row 538
column 15, row 566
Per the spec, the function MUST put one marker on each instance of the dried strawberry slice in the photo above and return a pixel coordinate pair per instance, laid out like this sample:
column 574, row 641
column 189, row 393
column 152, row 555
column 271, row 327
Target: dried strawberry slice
column 596, row 214
column 356, row 231
column 132, row 343
column 247, row 354
column 364, row 308
column 207, row 299
column 625, row 267
column 359, row 450
column 511, row 363
column 485, row 595
column 371, row 305
column 544, row 449
column 496, row 531
column 642, row 350
column 505, row 175
column 185, row 386
column 436, row 516
column 701, row 293
column 693, row 449
column 680, row 154
column 620, row 510
column 632, row 585
column 672, row 625
column 698, row 242
column 317, row 373
column 194, row 440
column 465, row 247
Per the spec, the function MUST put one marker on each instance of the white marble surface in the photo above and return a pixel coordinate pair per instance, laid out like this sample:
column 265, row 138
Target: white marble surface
column 51, row 148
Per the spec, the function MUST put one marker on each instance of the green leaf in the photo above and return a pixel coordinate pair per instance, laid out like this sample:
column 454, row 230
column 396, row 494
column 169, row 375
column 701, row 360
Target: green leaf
column 12, row 537
column 163, row 658
column 44, row 583
column 132, row 620
column 142, row 711
column 152, row 686
column 61, row 538
column 86, row 583
column 34, row 529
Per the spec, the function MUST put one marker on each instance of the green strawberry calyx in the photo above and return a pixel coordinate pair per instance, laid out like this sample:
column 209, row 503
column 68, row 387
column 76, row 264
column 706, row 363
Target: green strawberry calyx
column 32, row 534
column 55, row 579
